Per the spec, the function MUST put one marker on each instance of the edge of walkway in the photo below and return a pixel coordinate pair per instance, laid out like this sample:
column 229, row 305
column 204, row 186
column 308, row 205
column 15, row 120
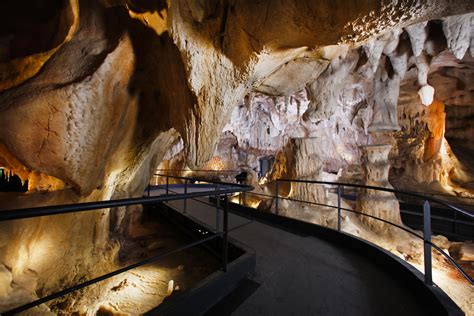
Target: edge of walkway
column 414, row 278
column 213, row 288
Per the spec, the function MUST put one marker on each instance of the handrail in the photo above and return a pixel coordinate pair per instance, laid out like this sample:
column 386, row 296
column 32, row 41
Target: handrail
column 444, row 194
column 105, row 276
column 223, row 189
column 344, row 209
column 454, row 263
column 208, row 181
column 201, row 170
column 89, row 206
column 453, row 207
column 426, row 238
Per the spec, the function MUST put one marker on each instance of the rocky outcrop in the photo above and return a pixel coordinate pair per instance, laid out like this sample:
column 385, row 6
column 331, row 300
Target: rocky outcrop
column 90, row 108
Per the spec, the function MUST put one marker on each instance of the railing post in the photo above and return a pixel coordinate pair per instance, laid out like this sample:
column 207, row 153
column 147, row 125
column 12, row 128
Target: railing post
column 224, row 237
column 276, row 196
column 339, row 208
column 455, row 222
column 426, row 242
column 185, row 201
column 167, row 184
column 148, row 189
column 218, row 203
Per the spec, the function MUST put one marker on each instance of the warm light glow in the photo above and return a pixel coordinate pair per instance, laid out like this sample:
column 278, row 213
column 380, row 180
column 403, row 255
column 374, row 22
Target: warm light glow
column 235, row 199
column 154, row 20
column 110, row 184
column 40, row 250
column 253, row 204
column 216, row 163
column 137, row 291
column 263, row 180
column 37, row 181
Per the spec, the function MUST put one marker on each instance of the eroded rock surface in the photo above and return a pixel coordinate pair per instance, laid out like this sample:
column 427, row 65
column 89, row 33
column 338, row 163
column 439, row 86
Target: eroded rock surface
column 94, row 95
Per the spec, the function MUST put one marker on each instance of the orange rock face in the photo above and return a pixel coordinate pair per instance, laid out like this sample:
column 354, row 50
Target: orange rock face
column 436, row 125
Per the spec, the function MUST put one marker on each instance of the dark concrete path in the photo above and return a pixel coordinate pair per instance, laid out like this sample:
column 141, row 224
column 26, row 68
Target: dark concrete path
column 301, row 275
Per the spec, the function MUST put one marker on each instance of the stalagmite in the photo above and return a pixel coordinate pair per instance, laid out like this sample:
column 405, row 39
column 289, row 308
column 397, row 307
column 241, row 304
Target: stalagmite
column 95, row 95
column 380, row 204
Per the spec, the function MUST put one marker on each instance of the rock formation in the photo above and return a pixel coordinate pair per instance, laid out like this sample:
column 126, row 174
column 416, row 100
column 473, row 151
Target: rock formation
column 376, row 203
column 94, row 95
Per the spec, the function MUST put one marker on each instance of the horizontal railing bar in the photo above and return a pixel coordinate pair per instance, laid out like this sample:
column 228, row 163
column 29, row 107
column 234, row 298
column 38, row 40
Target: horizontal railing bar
column 460, row 221
column 263, row 194
column 371, row 216
column 203, row 170
column 210, row 204
column 445, row 195
column 451, row 260
column 106, row 276
column 200, row 201
column 204, row 180
column 400, row 197
column 88, row 206
column 446, row 219
column 349, row 210
column 197, row 220
column 209, row 230
column 431, row 199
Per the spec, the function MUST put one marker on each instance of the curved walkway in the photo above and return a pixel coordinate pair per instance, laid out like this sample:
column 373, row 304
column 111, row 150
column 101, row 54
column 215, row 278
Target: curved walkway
column 304, row 275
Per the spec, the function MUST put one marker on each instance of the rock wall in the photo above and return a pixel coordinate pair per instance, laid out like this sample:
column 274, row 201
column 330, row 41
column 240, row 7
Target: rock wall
column 90, row 107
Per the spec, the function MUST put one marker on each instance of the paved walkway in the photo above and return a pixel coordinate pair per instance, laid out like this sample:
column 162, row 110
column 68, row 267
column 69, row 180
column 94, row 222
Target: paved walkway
column 309, row 276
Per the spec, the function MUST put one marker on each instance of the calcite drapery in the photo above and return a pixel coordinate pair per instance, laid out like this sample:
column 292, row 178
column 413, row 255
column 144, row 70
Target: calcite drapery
column 113, row 90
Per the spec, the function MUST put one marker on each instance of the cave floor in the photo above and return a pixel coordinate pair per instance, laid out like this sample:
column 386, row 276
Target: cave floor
column 304, row 275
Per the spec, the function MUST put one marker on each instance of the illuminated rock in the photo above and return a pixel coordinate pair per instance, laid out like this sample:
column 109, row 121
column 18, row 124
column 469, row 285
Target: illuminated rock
column 458, row 30
column 426, row 94
column 418, row 35
column 111, row 88
column 376, row 203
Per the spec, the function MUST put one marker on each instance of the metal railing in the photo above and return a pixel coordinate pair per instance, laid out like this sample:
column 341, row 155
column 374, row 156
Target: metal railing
column 198, row 170
column 221, row 189
column 426, row 237
column 186, row 185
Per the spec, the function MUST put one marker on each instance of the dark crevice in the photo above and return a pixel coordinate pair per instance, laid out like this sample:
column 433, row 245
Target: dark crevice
column 225, row 11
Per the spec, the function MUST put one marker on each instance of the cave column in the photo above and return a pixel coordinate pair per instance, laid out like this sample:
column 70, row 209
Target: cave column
column 377, row 203
column 375, row 155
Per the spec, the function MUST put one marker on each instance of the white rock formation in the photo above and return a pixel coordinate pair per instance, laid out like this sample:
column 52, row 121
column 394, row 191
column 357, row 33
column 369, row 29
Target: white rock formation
column 426, row 94
column 376, row 203
column 418, row 34
column 458, row 30
column 140, row 78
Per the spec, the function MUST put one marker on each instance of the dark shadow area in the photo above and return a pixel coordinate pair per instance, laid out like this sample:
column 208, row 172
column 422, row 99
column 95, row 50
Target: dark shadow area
column 32, row 27
column 10, row 182
column 159, row 81
column 234, row 299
